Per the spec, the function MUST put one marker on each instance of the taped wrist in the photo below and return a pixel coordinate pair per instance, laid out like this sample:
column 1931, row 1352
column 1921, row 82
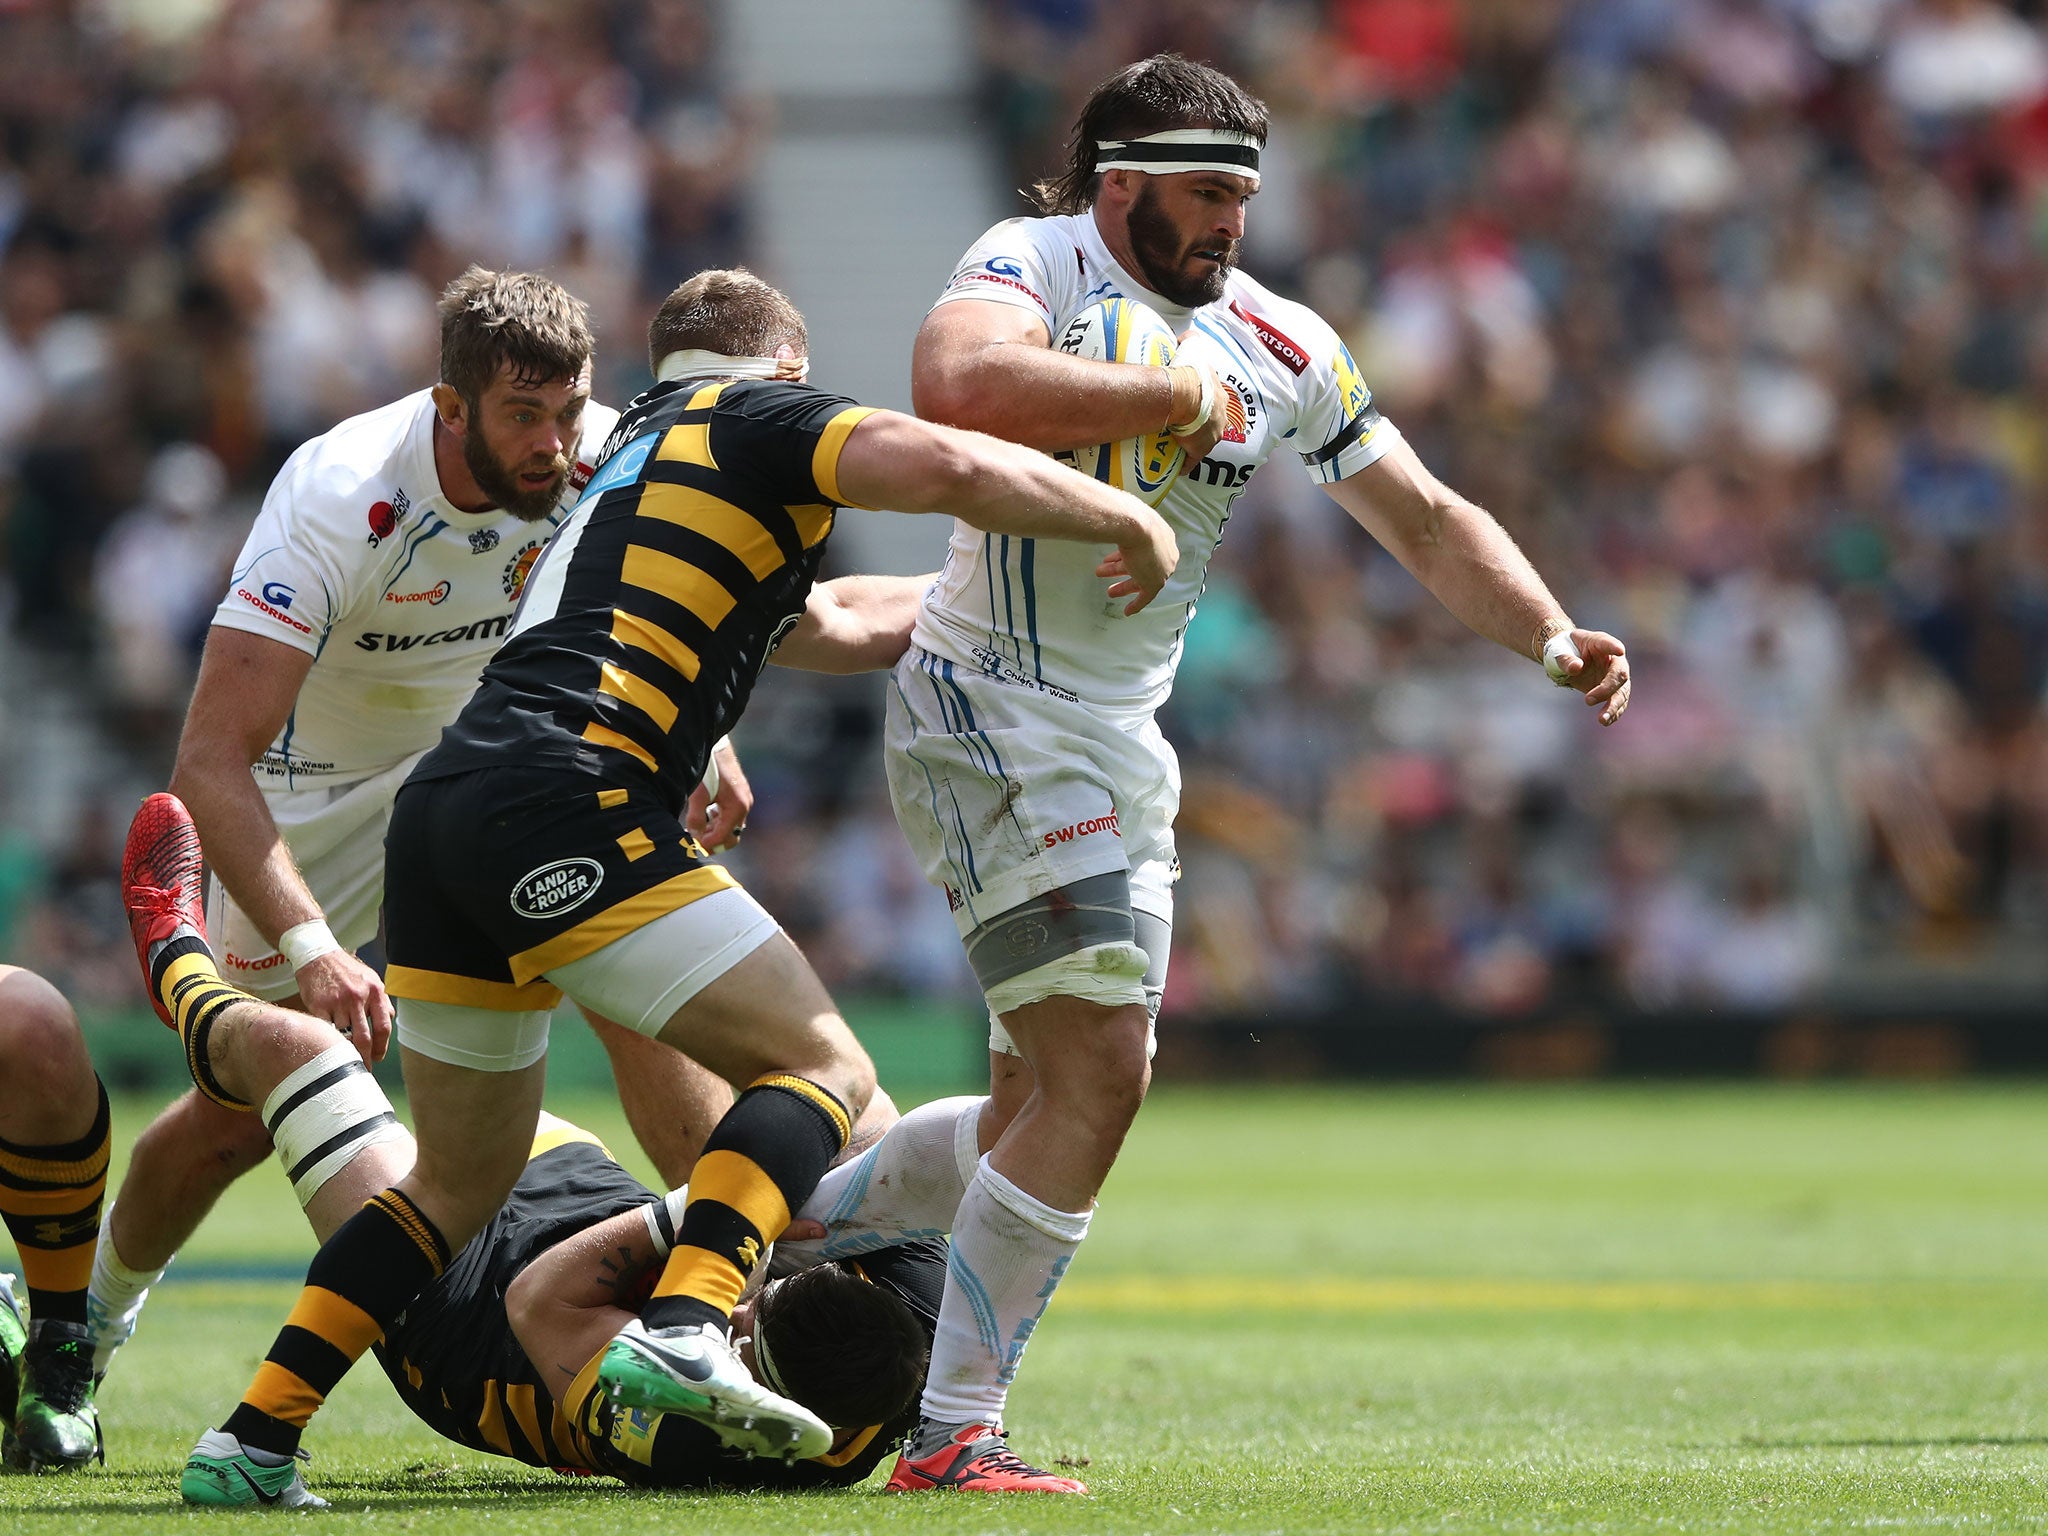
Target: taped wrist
column 664, row 1217
column 303, row 943
column 1203, row 409
column 1556, row 651
column 323, row 1115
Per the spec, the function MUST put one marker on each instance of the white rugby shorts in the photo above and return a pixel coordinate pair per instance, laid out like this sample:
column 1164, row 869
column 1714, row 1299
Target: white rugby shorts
column 336, row 835
column 1006, row 790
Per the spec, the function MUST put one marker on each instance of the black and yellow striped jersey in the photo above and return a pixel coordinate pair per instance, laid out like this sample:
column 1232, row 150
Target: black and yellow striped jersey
column 459, row 1367
column 646, row 622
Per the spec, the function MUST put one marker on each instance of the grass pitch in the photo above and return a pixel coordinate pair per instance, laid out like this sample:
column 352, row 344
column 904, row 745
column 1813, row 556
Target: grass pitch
column 1603, row 1309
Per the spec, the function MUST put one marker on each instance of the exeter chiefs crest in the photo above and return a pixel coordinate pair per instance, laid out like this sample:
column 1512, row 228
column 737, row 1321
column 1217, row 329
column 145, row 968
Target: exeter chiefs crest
column 519, row 567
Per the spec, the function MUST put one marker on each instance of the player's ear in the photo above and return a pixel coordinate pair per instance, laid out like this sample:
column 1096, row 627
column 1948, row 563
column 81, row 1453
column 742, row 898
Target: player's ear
column 448, row 403
column 1123, row 183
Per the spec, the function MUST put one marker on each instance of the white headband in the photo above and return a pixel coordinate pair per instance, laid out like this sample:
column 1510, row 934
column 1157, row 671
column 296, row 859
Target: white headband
column 694, row 362
column 1182, row 149
column 770, row 1377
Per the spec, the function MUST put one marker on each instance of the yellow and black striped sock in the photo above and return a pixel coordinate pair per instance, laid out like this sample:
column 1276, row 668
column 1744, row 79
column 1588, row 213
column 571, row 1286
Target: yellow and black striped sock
column 372, row 1268
column 185, row 978
column 762, row 1162
column 50, row 1199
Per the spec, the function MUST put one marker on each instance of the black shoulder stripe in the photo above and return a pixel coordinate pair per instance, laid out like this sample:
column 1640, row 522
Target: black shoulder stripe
column 1359, row 425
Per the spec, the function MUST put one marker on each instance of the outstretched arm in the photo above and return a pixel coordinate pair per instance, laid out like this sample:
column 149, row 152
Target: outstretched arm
column 854, row 624
column 892, row 460
column 1474, row 569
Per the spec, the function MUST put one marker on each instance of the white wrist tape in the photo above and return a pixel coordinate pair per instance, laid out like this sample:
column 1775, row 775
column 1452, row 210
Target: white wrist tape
column 1189, row 428
column 1555, row 650
column 711, row 779
column 303, row 943
column 665, row 1218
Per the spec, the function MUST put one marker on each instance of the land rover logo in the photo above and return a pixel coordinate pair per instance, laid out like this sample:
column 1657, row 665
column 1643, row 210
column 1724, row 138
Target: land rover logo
column 556, row 888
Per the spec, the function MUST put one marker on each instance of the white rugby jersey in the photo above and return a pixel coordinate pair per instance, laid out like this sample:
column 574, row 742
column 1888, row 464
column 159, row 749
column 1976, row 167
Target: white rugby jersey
column 358, row 560
column 1033, row 610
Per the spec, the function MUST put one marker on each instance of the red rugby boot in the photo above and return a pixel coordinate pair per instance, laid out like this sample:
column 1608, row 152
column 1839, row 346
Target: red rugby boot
column 162, row 886
column 976, row 1458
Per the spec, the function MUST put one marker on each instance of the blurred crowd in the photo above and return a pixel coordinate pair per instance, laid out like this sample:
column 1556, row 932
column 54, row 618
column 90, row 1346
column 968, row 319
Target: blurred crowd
column 1731, row 311
column 1728, row 309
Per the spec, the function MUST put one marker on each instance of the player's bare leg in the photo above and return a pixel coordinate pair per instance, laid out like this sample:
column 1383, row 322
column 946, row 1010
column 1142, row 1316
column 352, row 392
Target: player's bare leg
column 182, row 1163
column 235, row 1047
column 1018, row 1225
column 671, row 1102
column 1010, row 1085
column 53, row 1172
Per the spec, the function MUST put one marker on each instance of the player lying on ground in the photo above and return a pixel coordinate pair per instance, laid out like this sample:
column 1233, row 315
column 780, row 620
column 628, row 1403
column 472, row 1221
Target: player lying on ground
column 501, row 1352
column 538, row 851
column 53, row 1170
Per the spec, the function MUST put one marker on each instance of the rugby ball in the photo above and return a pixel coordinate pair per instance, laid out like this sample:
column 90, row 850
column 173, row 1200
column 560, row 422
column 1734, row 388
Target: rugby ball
column 1122, row 331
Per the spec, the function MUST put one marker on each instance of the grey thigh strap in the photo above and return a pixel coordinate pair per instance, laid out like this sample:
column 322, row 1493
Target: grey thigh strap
column 1062, row 922
column 1155, row 937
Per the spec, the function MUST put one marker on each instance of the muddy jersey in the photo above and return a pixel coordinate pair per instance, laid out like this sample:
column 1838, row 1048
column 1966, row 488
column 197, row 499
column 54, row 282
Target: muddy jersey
column 358, row 560
column 1033, row 611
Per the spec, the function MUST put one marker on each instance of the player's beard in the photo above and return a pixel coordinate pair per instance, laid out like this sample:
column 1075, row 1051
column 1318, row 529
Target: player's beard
column 1162, row 255
column 501, row 483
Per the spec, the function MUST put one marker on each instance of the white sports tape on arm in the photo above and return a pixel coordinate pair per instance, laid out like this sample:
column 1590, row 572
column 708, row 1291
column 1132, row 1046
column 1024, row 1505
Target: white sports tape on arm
column 711, row 780
column 1555, row 650
column 665, row 1219
column 1207, row 408
column 326, row 1113
column 303, row 943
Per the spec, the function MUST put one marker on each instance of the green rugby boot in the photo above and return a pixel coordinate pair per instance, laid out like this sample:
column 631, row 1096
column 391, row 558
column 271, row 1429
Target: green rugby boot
column 220, row 1472
column 13, row 1343
column 694, row 1371
column 56, row 1425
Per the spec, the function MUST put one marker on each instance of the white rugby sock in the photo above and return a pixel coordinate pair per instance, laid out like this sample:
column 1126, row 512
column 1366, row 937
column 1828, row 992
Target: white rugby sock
column 908, row 1184
column 1010, row 1251
column 114, row 1296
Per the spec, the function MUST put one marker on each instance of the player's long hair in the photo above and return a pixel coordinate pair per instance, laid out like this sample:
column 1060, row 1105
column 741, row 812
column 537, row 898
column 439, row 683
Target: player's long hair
column 489, row 319
column 1150, row 96
column 851, row 1352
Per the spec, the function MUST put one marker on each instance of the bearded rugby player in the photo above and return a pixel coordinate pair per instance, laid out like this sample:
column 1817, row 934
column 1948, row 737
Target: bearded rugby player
column 380, row 576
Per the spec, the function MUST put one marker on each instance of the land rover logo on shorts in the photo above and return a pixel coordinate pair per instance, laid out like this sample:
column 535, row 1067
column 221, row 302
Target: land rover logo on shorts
column 556, row 888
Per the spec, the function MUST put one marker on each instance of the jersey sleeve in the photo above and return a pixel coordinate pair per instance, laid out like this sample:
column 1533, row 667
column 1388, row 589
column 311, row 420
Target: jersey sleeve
column 598, row 423
column 787, row 438
column 291, row 581
column 1017, row 263
column 1337, row 430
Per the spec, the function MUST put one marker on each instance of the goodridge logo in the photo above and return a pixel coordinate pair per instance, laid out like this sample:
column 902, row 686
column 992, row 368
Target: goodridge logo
column 557, row 888
column 280, row 597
